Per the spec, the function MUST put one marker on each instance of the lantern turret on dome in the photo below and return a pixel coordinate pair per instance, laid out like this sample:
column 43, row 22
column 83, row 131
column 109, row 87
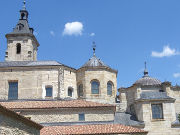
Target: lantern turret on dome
column 95, row 62
column 146, row 80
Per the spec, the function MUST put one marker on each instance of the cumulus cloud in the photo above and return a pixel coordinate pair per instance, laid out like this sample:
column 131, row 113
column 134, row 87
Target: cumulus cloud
column 176, row 75
column 73, row 28
column 167, row 52
column 52, row 33
column 92, row 34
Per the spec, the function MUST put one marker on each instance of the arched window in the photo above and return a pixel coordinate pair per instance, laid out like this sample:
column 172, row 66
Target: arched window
column 80, row 90
column 95, row 87
column 29, row 53
column 70, row 92
column 109, row 88
column 18, row 48
column 22, row 16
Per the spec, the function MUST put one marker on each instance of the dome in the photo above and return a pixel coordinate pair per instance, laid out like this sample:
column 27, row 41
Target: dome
column 146, row 80
column 95, row 62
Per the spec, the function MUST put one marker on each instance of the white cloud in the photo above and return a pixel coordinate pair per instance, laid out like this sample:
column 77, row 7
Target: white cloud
column 52, row 33
column 176, row 75
column 73, row 28
column 92, row 34
column 167, row 52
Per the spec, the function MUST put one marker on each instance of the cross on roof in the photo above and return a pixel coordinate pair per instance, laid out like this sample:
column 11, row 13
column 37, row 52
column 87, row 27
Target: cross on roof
column 94, row 48
column 24, row 6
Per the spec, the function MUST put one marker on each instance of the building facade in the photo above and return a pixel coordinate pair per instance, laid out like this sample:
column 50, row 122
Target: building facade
column 24, row 77
column 154, row 103
column 62, row 98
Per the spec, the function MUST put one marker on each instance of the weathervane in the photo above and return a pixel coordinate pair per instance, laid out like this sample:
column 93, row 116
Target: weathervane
column 24, row 6
column 145, row 65
column 94, row 48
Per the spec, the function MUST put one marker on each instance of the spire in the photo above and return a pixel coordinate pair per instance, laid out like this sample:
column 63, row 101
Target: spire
column 24, row 12
column 24, row 6
column 145, row 69
column 94, row 48
column 22, row 25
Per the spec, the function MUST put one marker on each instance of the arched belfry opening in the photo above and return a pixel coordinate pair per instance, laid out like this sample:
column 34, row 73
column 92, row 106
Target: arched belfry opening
column 18, row 48
column 22, row 15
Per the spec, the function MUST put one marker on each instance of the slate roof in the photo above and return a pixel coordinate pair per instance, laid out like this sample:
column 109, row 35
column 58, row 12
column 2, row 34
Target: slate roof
column 25, row 28
column 53, row 104
column 127, row 119
column 31, row 64
column 95, row 62
column 147, row 80
column 91, row 129
column 77, row 123
column 28, row 63
column 154, row 96
column 176, row 122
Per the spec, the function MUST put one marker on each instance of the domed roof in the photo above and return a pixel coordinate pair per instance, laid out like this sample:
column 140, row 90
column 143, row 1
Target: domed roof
column 146, row 80
column 94, row 62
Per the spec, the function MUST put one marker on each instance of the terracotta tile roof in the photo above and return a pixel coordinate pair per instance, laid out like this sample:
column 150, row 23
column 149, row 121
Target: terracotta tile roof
column 52, row 104
column 91, row 129
column 21, row 118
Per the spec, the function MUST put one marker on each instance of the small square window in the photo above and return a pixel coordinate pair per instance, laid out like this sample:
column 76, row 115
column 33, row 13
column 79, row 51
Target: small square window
column 82, row 117
column 48, row 91
column 157, row 111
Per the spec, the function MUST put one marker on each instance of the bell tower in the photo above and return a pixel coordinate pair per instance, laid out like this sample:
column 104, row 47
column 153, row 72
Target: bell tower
column 22, row 45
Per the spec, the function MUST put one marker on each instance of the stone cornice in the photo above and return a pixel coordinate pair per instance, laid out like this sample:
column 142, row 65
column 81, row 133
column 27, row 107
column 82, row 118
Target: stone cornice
column 38, row 67
column 96, row 69
column 23, row 34
column 155, row 100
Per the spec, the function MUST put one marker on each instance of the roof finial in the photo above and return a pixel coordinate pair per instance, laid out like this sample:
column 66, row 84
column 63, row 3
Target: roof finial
column 94, row 48
column 145, row 70
column 24, row 6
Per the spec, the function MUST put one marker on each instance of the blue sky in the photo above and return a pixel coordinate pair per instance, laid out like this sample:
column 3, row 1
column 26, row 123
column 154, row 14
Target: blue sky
column 126, row 32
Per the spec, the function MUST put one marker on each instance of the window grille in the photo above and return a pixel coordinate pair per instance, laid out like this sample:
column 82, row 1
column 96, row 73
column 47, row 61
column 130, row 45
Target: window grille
column 157, row 111
column 109, row 88
column 82, row 117
column 48, row 91
column 95, row 87
column 13, row 91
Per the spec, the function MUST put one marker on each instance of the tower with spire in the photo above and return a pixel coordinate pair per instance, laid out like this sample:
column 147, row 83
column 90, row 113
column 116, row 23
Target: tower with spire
column 22, row 45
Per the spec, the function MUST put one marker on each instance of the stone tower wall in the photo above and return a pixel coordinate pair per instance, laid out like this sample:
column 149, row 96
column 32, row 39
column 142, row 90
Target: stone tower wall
column 103, row 77
column 28, row 49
